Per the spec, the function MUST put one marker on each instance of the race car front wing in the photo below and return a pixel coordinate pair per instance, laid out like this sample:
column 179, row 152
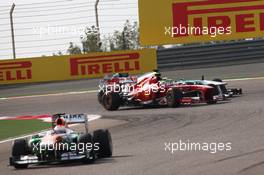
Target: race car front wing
column 31, row 159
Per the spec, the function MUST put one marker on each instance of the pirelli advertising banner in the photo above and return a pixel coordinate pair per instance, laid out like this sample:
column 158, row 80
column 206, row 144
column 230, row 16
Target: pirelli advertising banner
column 73, row 67
column 189, row 21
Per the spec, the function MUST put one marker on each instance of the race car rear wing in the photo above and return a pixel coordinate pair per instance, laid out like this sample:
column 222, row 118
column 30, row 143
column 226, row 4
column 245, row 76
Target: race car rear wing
column 71, row 119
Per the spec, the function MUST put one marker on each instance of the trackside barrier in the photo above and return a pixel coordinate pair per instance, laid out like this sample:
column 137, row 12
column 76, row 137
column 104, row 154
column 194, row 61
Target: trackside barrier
column 194, row 21
column 73, row 67
column 186, row 57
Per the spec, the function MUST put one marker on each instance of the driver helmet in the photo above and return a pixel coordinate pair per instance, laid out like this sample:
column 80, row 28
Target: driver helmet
column 60, row 127
column 60, row 122
column 158, row 75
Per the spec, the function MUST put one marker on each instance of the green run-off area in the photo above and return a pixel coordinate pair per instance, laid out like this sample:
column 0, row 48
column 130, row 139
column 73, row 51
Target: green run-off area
column 14, row 128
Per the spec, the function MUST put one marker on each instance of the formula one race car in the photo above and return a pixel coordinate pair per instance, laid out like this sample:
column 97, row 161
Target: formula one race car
column 150, row 89
column 62, row 144
column 219, row 86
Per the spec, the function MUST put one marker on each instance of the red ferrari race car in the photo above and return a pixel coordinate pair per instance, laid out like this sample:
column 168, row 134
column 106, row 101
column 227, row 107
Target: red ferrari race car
column 151, row 90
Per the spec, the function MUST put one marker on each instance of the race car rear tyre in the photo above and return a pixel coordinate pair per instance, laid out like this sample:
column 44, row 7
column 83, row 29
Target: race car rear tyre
column 20, row 148
column 104, row 139
column 174, row 97
column 100, row 97
column 111, row 101
column 87, row 141
column 218, row 80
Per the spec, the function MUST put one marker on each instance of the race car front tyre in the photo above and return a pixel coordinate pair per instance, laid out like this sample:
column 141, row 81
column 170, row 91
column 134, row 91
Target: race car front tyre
column 20, row 148
column 111, row 101
column 88, row 146
column 104, row 139
column 174, row 97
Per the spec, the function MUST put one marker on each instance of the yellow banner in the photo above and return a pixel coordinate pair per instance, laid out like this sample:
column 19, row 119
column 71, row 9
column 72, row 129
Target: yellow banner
column 94, row 65
column 190, row 21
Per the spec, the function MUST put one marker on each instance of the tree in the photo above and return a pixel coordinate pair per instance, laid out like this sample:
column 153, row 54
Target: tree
column 74, row 49
column 127, row 39
column 91, row 40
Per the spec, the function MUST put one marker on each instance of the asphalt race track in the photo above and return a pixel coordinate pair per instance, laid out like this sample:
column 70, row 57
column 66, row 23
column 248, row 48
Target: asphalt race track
column 139, row 135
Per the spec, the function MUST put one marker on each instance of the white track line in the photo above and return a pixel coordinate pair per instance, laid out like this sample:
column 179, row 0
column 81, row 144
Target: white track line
column 245, row 79
column 90, row 118
column 48, row 95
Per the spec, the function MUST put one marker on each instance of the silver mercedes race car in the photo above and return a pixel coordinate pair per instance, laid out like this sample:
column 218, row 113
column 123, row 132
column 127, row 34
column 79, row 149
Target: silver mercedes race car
column 220, row 87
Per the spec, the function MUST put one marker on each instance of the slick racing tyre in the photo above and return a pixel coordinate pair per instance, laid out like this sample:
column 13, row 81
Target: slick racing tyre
column 174, row 97
column 86, row 139
column 111, row 101
column 20, row 148
column 103, row 138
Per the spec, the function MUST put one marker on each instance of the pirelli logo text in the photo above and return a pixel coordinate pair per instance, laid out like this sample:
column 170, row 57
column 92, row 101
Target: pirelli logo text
column 243, row 16
column 14, row 71
column 104, row 64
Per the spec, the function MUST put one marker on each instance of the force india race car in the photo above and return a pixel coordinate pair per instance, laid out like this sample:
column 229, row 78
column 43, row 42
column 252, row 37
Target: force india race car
column 150, row 90
column 61, row 144
column 219, row 86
